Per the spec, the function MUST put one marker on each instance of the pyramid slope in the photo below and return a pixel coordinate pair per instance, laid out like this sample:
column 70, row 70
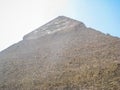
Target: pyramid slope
column 71, row 58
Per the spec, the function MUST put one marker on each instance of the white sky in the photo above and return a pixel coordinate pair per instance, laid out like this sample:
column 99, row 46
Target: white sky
column 19, row 17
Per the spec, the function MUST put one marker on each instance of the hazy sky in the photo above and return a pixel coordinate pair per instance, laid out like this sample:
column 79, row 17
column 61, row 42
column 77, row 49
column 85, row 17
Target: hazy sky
column 19, row 17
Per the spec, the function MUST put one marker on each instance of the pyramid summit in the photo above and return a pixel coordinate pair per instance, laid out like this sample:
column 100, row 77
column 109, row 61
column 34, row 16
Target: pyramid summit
column 63, row 54
column 59, row 23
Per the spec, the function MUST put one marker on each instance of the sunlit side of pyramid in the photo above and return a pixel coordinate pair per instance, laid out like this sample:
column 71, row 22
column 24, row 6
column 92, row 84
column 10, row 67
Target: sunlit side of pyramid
column 63, row 54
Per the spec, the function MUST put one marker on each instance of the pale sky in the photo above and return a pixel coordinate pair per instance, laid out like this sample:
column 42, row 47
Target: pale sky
column 19, row 17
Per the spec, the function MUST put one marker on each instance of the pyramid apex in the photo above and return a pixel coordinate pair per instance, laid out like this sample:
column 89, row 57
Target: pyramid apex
column 57, row 24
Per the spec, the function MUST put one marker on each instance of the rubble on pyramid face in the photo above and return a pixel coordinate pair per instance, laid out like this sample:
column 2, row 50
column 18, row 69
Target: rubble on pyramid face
column 59, row 23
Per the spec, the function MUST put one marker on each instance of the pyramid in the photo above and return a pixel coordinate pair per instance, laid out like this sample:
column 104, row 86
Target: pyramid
column 63, row 54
